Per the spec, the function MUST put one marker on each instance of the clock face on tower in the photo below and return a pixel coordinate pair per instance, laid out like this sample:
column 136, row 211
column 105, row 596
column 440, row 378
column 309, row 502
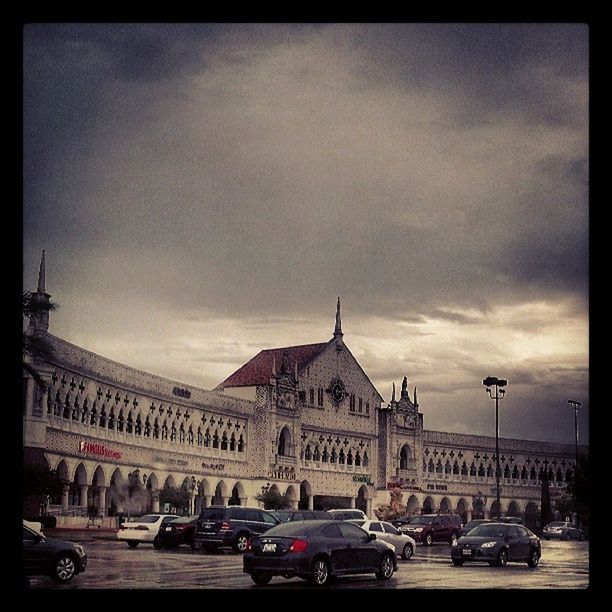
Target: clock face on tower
column 337, row 391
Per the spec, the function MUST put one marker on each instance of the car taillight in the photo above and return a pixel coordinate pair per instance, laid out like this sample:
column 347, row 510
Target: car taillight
column 226, row 525
column 298, row 546
column 249, row 547
column 182, row 527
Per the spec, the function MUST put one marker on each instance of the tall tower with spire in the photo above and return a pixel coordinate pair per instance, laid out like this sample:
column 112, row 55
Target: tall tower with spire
column 338, row 327
column 39, row 320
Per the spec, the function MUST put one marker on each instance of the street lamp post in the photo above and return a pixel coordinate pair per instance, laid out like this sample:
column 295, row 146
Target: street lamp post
column 499, row 384
column 575, row 406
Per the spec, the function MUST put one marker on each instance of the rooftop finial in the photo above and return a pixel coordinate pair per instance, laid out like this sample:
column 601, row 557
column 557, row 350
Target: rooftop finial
column 41, row 274
column 393, row 394
column 338, row 328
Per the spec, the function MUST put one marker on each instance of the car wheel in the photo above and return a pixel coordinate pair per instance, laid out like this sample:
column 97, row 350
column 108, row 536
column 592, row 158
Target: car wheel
column 64, row 569
column 407, row 552
column 261, row 579
column 320, row 572
column 428, row 539
column 457, row 562
column 502, row 558
column 133, row 544
column 386, row 567
column 196, row 546
column 534, row 559
column 241, row 542
column 157, row 543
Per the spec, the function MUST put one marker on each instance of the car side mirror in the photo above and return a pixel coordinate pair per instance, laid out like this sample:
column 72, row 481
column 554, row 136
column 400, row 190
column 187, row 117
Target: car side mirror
column 371, row 536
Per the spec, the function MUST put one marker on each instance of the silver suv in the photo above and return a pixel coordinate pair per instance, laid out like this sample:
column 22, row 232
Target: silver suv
column 346, row 514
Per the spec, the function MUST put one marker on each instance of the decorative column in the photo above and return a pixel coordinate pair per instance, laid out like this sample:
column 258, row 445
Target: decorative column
column 243, row 501
column 468, row 515
column 311, row 502
column 65, row 492
column 294, row 504
column 352, row 502
column 225, row 500
column 207, row 500
column 369, row 507
column 101, row 500
column 83, row 496
column 155, row 501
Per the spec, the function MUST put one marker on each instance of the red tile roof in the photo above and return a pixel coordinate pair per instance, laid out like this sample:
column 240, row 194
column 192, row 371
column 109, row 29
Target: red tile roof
column 258, row 370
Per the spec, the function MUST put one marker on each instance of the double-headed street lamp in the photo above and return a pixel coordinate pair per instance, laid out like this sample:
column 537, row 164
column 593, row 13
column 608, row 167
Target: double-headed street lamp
column 575, row 406
column 499, row 384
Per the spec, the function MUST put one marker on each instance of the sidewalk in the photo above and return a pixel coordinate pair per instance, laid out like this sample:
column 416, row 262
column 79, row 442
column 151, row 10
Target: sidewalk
column 81, row 535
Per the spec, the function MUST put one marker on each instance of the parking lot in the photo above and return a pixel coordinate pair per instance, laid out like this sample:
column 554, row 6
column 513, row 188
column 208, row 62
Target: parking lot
column 112, row 565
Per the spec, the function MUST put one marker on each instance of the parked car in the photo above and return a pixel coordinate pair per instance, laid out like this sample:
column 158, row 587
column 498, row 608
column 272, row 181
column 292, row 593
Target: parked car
column 301, row 515
column 58, row 559
column 176, row 532
column 429, row 528
column 231, row 526
column 497, row 543
column 317, row 551
column 471, row 524
column 346, row 514
column 563, row 530
column 33, row 525
column 144, row 529
column 404, row 545
column 513, row 520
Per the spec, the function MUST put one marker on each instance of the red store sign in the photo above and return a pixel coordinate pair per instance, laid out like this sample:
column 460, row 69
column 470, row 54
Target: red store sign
column 95, row 448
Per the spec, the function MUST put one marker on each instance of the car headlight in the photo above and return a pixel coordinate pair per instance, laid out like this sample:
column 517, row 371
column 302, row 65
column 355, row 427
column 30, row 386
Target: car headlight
column 419, row 529
column 488, row 545
column 80, row 550
column 454, row 542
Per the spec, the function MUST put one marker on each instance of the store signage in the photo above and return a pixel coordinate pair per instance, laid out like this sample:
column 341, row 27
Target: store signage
column 213, row 466
column 362, row 478
column 437, row 487
column 95, row 448
column 169, row 461
column 181, row 392
column 282, row 475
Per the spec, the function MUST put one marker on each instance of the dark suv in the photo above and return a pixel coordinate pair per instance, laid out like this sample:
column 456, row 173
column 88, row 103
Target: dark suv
column 231, row 526
column 429, row 528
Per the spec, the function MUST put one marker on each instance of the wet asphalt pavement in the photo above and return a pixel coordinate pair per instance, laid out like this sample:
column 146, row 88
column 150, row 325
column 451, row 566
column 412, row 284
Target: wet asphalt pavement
column 112, row 565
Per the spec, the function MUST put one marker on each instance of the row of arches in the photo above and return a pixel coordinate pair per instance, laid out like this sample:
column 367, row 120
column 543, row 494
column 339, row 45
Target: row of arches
column 154, row 427
column 488, row 471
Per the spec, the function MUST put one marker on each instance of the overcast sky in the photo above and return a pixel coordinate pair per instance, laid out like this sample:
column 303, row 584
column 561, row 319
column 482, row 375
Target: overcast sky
column 207, row 191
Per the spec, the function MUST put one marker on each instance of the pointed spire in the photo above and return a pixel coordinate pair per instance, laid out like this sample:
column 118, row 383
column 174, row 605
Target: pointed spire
column 393, row 394
column 416, row 404
column 338, row 328
column 41, row 274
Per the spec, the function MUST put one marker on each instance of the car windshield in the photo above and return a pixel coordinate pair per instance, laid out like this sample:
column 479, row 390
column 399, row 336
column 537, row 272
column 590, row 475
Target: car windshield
column 293, row 528
column 214, row 514
column 421, row 520
column 358, row 522
column 185, row 519
column 489, row 531
column 147, row 518
column 282, row 516
column 557, row 524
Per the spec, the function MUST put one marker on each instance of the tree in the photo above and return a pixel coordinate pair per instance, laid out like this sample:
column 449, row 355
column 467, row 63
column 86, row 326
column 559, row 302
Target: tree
column 273, row 500
column 578, row 489
column 40, row 483
column 177, row 497
column 545, row 509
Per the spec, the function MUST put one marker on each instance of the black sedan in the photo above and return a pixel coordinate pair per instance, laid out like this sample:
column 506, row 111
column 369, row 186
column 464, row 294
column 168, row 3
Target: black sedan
column 58, row 559
column 176, row 532
column 317, row 551
column 497, row 543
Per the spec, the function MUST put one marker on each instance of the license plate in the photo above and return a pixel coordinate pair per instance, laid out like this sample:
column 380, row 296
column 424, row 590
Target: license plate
column 466, row 552
column 269, row 548
column 208, row 525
